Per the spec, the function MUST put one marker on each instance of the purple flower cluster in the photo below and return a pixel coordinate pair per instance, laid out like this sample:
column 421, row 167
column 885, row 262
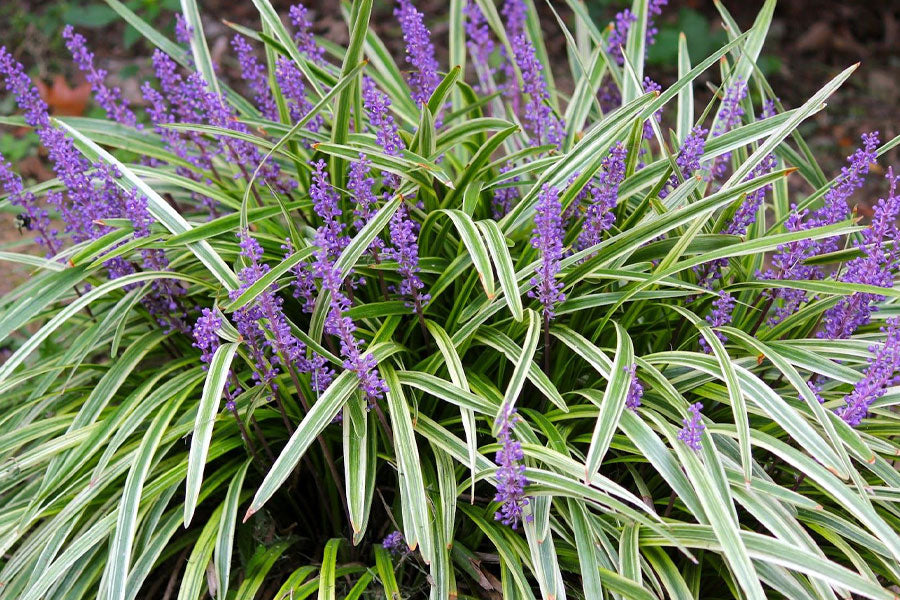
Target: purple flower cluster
column 330, row 237
column 377, row 105
column 692, row 427
column 306, row 41
column 618, row 34
column 256, row 77
column 205, row 337
column 688, row 159
column 729, row 117
column 635, row 389
column 788, row 263
column 405, row 250
column 539, row 119
column 394, row 543
column 880, row 374
column 880, row 258
column 504, row 197
column 419, row 52
column 604, row 194
column 719, row 316
column 286, row 350
column 479, row 41
column 110, row 99
column 548, row 239
column 511, row 480
column 361, row 184
column 651, row 86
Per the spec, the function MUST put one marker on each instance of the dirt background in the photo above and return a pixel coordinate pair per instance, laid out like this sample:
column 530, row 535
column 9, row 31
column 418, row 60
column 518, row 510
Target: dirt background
column 809, row 42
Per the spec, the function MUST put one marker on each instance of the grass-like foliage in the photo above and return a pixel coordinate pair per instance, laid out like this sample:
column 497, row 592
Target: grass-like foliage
column 368, row 326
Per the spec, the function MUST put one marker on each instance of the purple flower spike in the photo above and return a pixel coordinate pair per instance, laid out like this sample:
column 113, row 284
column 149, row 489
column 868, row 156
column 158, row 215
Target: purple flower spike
column 504, row 197
column 254, row 73
column 692, row 431
column 880, row 375
column 728, row 118
column 205, row 337
column 405, row 250
column 538, row 119
column 880, row 259
column 788, row 263
column 479, row 42
column 548, row 239
column 635, row 389
column 511, row 480
column 306, row 42
column 604, row 195
column 419, row 52
column 110, row 99
column 395, row 544
column 618, row 35
column 377, row 105
column 719, row 316
column 688, row 159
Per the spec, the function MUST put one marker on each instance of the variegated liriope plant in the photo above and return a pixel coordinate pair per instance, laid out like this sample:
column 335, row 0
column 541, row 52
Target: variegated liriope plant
column 367, row 326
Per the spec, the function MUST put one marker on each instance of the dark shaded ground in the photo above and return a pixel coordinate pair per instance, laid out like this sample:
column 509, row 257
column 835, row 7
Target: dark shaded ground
column 809, row 42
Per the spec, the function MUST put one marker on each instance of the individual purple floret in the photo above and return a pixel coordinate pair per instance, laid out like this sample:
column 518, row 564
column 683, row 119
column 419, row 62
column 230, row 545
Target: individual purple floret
column 395, row 544
column 876, row 266
column 688, row 159
column 405, row 250
column 306, row 42
column 604, row 194
column 511, row 480
column 377, row 105
column 635, row 389
column 205, row 337
column 548, row 239
column 880, row 375
column 256, row 77
column 692, row 430
column 539, row 119
column 719, row 315
column 729, row 117
column 419, row 52
column 788, row 263
column 109, row 98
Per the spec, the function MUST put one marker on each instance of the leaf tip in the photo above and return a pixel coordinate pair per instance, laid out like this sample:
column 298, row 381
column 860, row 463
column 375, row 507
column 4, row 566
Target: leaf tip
column 250, row 512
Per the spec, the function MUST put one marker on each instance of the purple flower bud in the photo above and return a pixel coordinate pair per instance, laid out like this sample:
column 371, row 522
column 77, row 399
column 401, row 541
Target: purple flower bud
column 692, row 430
column 377, row 105
column 635, row 389
column 538, row 118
